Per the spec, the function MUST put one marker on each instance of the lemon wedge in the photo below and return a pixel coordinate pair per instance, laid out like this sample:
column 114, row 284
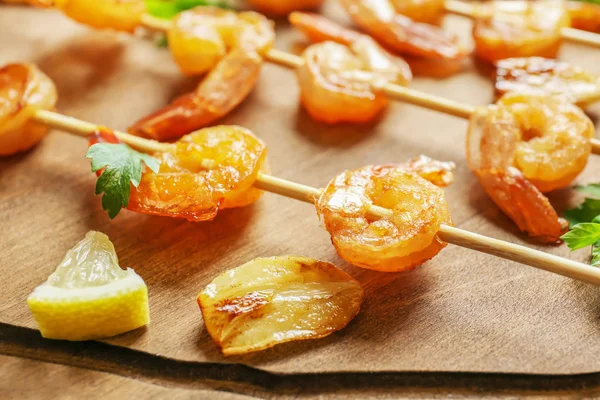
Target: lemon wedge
column 89, row 296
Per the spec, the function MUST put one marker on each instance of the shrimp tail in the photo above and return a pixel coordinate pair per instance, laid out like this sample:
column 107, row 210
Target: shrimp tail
column 523, row 203
column 223, row 89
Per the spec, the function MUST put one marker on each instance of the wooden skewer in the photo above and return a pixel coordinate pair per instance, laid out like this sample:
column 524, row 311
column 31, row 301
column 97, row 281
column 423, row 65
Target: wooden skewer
column 450, row 234
column 396, row 92
column 574, row 35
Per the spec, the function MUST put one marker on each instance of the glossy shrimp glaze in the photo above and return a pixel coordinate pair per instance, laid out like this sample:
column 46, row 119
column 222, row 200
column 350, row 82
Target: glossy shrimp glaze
column 506, row 29
column 523, row 146
column 405, row 238
column 343, row 84
column 204, row 172
column 120, row 15
column 23, row 90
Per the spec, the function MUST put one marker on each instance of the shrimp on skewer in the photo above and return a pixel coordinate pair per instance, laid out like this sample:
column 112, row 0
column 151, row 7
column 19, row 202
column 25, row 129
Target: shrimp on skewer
column 280, row 8
column 206, row 171
column 227, row 44
column 584, row 16
column 399, row 242
column 401, row 34
column 523, row 146
column 506, row 29
column 544, row 76
column 121, row 15
column 225, row 87
column 319, row 29
column 23, row 89
column 341, row 84
column 200, row 37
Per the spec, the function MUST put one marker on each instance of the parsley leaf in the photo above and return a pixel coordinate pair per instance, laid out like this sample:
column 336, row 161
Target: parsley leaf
column 167, row 9
column 122, row 166
column 585, row 212
column 582, row 235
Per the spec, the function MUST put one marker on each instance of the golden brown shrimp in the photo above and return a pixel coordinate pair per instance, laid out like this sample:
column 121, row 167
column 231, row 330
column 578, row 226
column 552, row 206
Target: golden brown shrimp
column 199, row 38
column 207, row 171
column 427, row 11
column 545, row 76
column 223, row 89
column 23, row 89
column 342, row 84
column 318, row 29
column 121, row 15
column 585, row 16
column 279, row 7
column 506, row 29
column 525, row 145
column 399, row 33
column 398, row 242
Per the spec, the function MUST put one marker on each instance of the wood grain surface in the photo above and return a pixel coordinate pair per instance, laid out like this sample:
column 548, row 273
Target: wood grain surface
column 460, row 312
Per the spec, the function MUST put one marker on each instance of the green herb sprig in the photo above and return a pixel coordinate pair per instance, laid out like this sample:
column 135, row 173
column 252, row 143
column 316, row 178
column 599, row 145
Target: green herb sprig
column 122, row 166
column 584, row 221
column 167, row 9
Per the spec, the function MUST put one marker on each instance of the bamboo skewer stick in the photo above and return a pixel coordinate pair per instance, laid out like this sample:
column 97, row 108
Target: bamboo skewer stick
column 450, row 234
column 396, row 92
column 574, row 35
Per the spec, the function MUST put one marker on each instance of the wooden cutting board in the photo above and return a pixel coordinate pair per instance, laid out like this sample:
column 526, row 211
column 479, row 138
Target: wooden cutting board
column 462, row 311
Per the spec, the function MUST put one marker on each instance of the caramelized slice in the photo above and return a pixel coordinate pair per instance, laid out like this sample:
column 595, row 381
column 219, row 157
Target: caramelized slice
column 269, row 301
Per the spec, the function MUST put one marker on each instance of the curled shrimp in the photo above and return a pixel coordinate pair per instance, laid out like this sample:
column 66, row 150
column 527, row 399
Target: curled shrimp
column 279, row 7
column 523, row 146
column 23, row 90
column 400, row 241
column 545, row 76
column 399, row 33
column 318, row 29
column 506, row 29
column 223, row 89
column 206, row 171
column 200, row 37
column 121, row 15
column 585, row 16
column 341, row 84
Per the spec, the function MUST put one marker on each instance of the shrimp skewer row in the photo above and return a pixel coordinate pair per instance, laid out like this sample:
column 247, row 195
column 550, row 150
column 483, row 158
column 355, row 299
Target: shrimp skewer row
column 444, row 232
column 567, row 32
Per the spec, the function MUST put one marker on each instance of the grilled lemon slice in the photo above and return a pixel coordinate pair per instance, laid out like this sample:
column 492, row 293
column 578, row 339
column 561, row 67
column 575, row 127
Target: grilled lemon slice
column 268, row 301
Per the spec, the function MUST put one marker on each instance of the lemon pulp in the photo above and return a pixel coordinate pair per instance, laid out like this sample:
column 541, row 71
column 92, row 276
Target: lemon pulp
column 89, row 296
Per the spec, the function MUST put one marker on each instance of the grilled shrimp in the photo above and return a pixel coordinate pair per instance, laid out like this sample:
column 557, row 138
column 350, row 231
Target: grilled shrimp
column 400, row 241
column 427, row 11
column 506, row 29
column 200, row 37
column 585, row 16
column 318, row 29
column 341, row 84
column 399, row 33
column 523, row 146
column 223, row 89
column 23, row 89
column 279, row 7
column 121, row 15
column 545, row 76
column 208, row 170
